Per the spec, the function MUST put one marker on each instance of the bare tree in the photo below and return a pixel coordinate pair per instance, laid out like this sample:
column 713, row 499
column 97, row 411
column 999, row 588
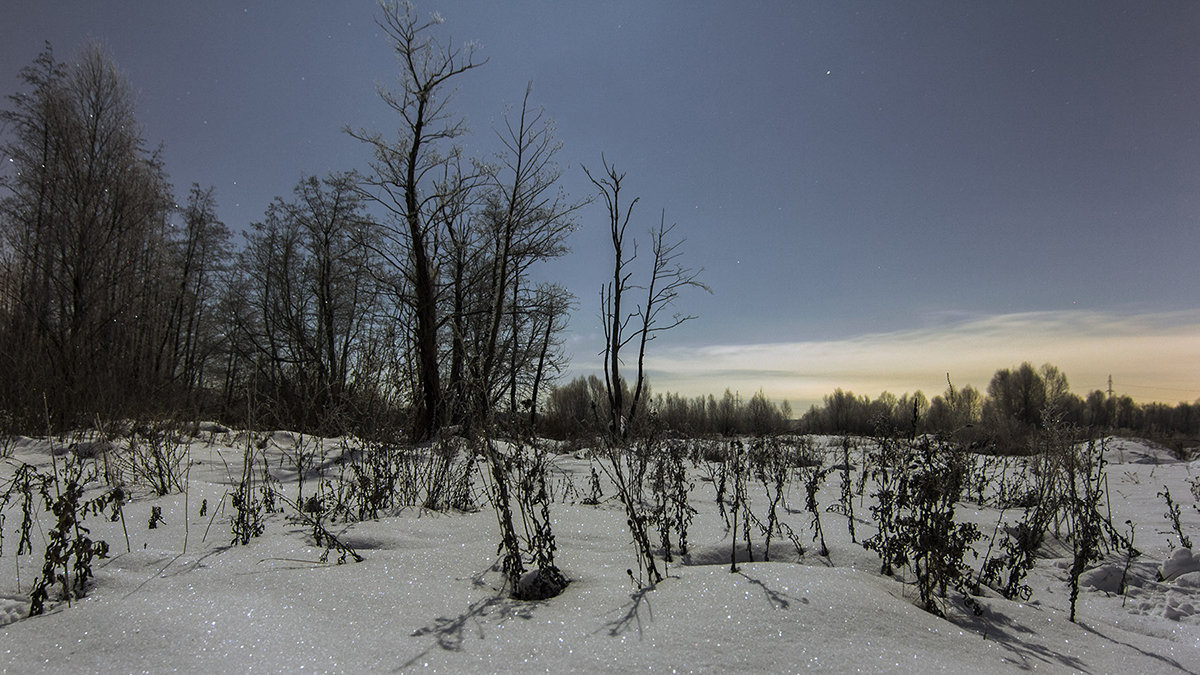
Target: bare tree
column 338, row 238
column 667, row 278
column 307, row 265
column 197, row 256
column 644, row 323
column 464, row 270
column 553, row 305
column 615, row 321
column 405, row 174
column 529, row 220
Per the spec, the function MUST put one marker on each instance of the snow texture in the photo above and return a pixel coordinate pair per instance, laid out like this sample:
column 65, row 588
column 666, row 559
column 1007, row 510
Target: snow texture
column 428, row 595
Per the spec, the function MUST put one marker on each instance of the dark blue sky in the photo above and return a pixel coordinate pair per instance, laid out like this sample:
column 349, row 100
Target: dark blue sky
column 847, row 173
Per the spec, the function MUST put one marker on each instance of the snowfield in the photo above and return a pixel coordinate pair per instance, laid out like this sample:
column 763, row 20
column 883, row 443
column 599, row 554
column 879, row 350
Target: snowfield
column 428, row 595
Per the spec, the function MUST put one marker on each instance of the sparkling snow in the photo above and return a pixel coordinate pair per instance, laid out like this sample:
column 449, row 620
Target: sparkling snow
column 426, row 596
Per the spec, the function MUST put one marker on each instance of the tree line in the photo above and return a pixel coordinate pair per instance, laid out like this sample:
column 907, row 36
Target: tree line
column 1018, row 403
column 580, row 407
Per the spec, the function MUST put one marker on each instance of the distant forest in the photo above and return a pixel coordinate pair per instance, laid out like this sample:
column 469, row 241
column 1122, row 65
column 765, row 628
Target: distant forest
column 395, row 298
column 1018, row 403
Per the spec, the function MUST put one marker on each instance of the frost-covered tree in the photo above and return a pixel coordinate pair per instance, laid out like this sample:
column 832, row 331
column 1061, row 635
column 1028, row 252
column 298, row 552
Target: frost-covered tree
column 414, row 177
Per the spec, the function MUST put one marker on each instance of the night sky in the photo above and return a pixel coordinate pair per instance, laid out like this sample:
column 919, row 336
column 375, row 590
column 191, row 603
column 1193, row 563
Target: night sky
column 879, row 192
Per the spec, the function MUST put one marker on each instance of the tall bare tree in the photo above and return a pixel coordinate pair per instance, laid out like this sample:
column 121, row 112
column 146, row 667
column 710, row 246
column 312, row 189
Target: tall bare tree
column 647, row 320
column 198, row 256
column 410, row 181
column 528, row 221
column 614, row 317
column 668, row 276
column 553, row 306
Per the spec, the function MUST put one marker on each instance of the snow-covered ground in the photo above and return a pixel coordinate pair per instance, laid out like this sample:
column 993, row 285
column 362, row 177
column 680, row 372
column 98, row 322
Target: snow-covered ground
column 427, row 595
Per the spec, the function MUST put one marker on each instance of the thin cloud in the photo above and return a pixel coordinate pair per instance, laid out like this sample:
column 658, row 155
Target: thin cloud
column 1150, row 356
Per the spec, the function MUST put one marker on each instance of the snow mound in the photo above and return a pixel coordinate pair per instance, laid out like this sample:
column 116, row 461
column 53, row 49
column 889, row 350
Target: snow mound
column 1175, row 598
column 206, row 427
column 1105, row 578
column 1174, row 605
column 1179, row 607
column 1188, row 580
column 1136, row 451
column 1182, row 561
column 12, row 609
column 284, row 440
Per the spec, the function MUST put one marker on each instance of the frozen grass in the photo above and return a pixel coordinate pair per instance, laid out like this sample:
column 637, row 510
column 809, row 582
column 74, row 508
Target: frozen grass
column 429, row 594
